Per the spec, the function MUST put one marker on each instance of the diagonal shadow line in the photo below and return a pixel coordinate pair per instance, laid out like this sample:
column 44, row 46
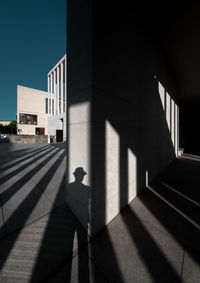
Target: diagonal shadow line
column 192, row 241
column 33, row 198
column 141, row 237
column 9, row 156
column 16, row 186
column 73, row 226
column 47, row 242
column 21, row 159
column 21, row 168
column 111, row 260
column 19, row 154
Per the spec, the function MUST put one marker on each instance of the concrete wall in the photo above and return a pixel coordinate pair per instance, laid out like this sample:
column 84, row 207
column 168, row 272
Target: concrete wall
column 28, row 139
column 54, row 123
column 5, row 123
column 122, row 109
column 31, row 101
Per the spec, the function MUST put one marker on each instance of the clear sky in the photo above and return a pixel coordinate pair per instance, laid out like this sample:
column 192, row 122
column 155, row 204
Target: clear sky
column 32, row 40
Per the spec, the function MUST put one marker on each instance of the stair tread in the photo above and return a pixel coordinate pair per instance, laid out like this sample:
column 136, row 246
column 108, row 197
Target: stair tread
column 185, row 206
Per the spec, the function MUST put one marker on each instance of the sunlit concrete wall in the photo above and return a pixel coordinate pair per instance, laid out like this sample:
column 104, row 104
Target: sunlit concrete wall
column 5, row 123
column 122, row 109
column 32, row 101
column 57, row 122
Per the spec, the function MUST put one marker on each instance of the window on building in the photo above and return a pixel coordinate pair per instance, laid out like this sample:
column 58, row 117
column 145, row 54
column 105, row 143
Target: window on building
column 46, row 105
column 27, row 119
column 21, row 119
column 34, row 119
column 40, row 131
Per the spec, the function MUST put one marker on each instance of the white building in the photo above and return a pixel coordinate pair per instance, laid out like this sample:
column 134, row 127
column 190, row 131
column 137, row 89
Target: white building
column 57, row 101
column 32, row 111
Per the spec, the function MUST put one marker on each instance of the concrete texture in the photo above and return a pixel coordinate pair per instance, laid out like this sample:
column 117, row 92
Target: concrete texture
column 32, row 101
column 122, row 123
column 54, row 123
column 149, row 241
column 28, row 139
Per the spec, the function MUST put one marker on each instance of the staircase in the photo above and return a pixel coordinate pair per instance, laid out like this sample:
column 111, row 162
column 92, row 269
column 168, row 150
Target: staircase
column 187, row 207
column 179, row 187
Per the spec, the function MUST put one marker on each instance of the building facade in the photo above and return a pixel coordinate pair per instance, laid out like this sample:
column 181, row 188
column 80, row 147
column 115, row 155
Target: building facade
column 57, row 101
column 5, row 122
column 32, row 111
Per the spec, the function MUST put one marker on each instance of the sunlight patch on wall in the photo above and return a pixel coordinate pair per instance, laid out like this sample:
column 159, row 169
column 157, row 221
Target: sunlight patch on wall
column 171, row 114
column 168, row 110
column 132, row 175
column 79, row 141
column 172, row 121
column 161, row 91
column 112, row 172
column 147, row 178
column 79, row 113
column 176, row 128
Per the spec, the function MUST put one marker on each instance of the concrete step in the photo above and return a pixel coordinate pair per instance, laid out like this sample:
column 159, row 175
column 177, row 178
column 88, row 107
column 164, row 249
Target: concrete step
column 185, row 206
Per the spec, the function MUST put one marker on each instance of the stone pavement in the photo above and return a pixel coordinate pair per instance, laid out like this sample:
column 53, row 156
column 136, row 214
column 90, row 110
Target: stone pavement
column 42, row 241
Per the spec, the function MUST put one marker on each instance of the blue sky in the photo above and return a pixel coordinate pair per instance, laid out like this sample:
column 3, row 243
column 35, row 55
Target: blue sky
column 32, row 40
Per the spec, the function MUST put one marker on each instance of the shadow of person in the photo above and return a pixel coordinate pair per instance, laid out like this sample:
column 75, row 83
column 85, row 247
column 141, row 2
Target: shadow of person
column 80, row 199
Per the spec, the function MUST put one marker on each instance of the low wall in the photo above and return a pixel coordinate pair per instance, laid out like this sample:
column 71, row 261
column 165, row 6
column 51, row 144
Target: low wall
column 28, row 139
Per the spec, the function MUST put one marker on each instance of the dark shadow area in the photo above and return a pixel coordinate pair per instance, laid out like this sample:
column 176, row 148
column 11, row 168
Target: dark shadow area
column 116, row 65
column 178, row 226
column 178, row 185
column 129, row 126
column 189, row 127
column 152, row 256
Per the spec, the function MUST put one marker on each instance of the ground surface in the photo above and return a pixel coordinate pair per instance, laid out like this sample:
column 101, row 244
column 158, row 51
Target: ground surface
column 42, row 241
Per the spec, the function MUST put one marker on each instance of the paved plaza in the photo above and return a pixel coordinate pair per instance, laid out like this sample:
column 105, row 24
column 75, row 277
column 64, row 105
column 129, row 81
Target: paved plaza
column 42, row 241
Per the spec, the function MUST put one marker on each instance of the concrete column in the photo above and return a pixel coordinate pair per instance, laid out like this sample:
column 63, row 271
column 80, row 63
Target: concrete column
column 51, row 91
column 61, row 81
column 54, row 92
column 172, row 122
column 48, row 83
column 57, row 95
column 117, row 128
column 48, row 87
column 176, row 129
column 51, row 75
column 65, row 85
